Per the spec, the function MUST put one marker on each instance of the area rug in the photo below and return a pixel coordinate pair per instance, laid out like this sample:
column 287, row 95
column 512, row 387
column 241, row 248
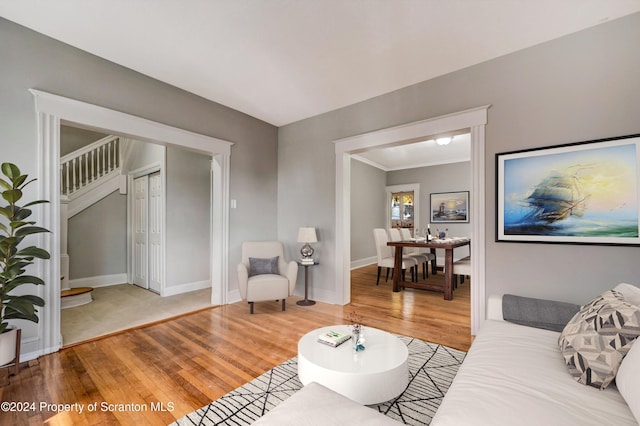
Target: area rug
column 432, row 367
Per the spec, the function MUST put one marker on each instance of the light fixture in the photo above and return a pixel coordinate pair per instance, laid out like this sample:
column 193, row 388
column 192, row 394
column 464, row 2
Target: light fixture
column 444, row 141
column 307, row 235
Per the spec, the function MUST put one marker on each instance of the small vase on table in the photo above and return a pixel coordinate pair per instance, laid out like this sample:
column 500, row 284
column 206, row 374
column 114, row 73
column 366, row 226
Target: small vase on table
column 357, row 338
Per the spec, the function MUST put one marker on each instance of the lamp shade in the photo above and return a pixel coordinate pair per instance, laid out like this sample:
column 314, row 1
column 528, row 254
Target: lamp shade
column 307, row 235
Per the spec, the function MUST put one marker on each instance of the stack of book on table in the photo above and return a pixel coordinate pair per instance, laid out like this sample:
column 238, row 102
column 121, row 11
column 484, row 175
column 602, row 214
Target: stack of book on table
column 333, row 338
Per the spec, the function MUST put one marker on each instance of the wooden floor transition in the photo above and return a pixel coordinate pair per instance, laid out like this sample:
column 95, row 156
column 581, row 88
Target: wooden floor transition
column 157, row 374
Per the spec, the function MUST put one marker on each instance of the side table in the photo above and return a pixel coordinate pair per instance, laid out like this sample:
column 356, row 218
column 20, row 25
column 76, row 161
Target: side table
column 306, row 301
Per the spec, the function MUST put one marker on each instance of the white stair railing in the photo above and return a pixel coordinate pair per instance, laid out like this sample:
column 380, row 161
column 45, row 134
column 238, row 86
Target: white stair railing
column 88, row 164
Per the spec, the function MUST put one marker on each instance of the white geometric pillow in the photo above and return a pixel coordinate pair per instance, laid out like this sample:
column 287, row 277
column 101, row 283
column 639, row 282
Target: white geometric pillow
column 630, row 292
column 596, row 339
column 628, row 379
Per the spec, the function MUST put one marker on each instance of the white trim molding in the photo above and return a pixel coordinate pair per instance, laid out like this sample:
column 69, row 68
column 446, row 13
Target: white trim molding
column 99, row 281
column 51, row 110
column 355, row 264
column 474, row 120
column 185, row 288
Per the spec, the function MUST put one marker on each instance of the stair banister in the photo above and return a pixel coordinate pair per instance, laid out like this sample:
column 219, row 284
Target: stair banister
column 91, row 162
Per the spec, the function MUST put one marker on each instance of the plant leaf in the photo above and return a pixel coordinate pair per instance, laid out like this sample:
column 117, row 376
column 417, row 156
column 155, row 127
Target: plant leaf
column 13, row 314
column 24, row 279
column 10, row 170
column 28, row 230
column 19, row 223
column 35, row 252
column 21, row 214
column 19, row 306
column 35, row 202
column 19, row 180
column 5, row 185
column 26, row 299
column 12, row 195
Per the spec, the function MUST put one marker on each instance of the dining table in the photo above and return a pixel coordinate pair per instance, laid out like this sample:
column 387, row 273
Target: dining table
column 448, row 244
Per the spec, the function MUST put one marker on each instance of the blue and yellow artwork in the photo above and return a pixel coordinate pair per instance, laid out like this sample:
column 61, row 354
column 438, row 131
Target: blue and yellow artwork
column 583, row 191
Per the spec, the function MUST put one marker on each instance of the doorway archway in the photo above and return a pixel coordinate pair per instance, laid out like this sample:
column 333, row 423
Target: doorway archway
column 51, row 111
column 475, row 121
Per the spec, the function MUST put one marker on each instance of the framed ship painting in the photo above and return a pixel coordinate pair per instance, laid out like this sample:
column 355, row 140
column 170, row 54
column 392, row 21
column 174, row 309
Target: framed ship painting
column 579, row 193
column 450, row 207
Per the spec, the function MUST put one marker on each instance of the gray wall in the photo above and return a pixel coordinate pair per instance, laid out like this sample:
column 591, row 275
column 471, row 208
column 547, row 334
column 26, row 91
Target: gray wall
column 368, row 208
column 31, row 60
column 73, row 138
column 144, row 155
column 188, row 217
column 580, row 87
column 97, row 239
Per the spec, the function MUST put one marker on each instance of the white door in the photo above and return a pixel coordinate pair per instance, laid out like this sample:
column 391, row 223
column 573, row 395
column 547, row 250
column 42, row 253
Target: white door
column 147, row 232
column 140, row 234
column 155, row 232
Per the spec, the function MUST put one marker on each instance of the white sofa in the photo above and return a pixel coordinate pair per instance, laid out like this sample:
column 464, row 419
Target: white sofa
column 513, row 375
column 516, row 375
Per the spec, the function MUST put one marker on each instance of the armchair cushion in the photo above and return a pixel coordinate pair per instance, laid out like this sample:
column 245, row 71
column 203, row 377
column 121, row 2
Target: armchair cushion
column 259, row 266
column 273, row 284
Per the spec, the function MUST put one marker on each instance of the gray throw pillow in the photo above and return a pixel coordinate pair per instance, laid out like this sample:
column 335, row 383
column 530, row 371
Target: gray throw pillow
column 259, row 266
column 539, row 313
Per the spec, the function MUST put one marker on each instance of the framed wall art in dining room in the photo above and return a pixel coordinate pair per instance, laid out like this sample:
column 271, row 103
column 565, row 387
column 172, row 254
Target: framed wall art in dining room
column 450, row 207
column 578, row 193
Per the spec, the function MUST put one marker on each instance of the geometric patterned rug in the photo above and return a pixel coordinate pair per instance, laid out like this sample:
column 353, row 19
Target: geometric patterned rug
column 432, row 367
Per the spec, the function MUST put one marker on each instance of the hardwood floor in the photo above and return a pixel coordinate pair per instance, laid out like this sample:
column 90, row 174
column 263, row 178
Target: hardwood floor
column 157, row 374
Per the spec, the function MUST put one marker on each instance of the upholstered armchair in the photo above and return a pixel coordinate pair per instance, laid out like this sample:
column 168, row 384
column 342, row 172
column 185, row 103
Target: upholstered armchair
column 264, row 273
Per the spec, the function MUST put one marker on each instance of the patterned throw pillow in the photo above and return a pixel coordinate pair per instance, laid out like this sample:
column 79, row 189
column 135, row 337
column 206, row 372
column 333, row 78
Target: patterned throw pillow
column 259, row 266
column 597, row 338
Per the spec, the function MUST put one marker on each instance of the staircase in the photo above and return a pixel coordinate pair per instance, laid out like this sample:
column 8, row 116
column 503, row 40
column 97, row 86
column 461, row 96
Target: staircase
column 86, row 176
column 90, row 173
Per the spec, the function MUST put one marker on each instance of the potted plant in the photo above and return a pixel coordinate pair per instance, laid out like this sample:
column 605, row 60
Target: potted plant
column 15, row 259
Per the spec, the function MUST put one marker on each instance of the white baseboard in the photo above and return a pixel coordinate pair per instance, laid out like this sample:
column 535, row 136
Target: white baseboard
column 186, row 288
column 363, row 262
column 29, row 356
column 318, row 294
column 99, row 281
column 233, row 296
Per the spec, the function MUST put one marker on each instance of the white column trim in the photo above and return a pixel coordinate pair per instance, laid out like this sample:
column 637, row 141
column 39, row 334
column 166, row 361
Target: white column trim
column 50, row 111
column 473, row 119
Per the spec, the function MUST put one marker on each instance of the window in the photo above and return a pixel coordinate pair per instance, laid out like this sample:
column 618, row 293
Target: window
column 402, row 215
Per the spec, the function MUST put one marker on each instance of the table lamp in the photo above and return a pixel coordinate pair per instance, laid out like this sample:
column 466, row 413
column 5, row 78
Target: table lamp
column 307, row 235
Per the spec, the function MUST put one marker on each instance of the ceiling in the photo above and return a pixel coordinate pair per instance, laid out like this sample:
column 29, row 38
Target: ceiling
column 286, row 60
column 419, row 154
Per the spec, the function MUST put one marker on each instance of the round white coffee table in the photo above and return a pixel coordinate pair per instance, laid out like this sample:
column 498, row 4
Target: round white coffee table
column 375, row 375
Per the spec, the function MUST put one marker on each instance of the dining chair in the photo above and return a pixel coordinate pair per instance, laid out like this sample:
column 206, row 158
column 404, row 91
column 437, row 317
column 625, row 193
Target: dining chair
column 405, row 234
column 395, row 235
column 386, row 254
column 462, row 268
